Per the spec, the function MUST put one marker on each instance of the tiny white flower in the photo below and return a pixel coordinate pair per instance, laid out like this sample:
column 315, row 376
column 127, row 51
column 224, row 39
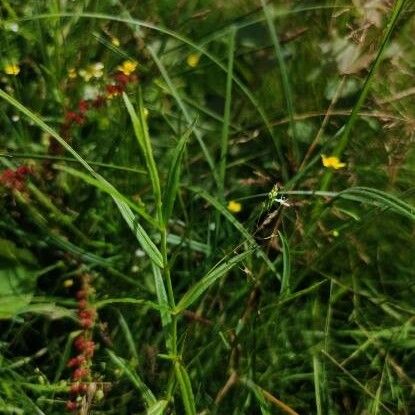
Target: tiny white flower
column 135, row 268
column 15, row 118
column 282, row 201
column 139, row 253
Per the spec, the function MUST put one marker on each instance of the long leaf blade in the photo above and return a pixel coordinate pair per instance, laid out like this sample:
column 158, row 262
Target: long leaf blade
column 210, row 278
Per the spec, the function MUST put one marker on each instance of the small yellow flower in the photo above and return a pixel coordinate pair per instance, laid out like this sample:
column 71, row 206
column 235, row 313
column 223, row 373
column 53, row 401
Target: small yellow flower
column 234, row 207
column 12, row 69
column 193, row 60
column 127, row 67
column 68, row 283
column 95, row 70
column 115, row 41
column 72, row 73
column 332, row 162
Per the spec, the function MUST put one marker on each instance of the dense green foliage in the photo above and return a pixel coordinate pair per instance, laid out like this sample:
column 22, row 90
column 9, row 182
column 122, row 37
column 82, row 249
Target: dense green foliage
column 236, row 177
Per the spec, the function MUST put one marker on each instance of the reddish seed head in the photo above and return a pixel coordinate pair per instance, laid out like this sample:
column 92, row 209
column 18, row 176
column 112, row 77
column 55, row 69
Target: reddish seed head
column 81, row 294
column 88, row 314
column 86, row 323
column 23, row 171
column 79, row 343
column 113, row 90
column 71, row 406
column 76, row 361
column 72, row 116
column 83, row 105
column 121, row 78
column 82, row 304
column 80, row 373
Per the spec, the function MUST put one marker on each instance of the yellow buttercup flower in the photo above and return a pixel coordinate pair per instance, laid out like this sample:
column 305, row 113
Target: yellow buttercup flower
column 115, row 41
column 234, row 207
column 12, row 69
column 127, row 67
column 332, row 162
column 68, row 283
column 193, row 60
column 72, row 73
column 95, row 70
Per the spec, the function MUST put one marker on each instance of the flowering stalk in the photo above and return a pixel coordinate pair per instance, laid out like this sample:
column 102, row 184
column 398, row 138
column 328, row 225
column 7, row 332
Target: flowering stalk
column 84, row 345
column 120, row 80
column 15, row 179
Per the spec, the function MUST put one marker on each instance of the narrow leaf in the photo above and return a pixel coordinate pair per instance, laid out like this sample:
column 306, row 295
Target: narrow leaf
column 210, row 278
column 158, row 408
column 286, row 273
column 172, row 183
column 185, row 389
column 146, row 393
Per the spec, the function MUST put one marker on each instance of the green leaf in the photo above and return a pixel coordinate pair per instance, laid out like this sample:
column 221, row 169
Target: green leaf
column 107, row 189
column 286, row 274
column 141, row 235
column 210, row 278
column 379, row 198
column 143, row 139
column 16, row 289
column 158, row 408
column 163, row 303
column 172, row 182
column 9, row 251
column 185, row 389
column 145, row 391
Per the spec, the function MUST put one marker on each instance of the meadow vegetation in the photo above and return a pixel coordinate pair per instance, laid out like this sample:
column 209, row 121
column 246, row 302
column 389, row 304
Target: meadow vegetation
column 207, row 207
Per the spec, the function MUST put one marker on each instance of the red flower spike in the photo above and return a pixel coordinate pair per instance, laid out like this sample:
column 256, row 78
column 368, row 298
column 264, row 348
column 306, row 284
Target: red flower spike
column 81, row 294
column 79, row 343
column 80, row 373
column 114, row 90
column 82, row 304
column 122, row 78
column 76, row 361
column 86, row 323
column 71, row 406
column 83, row 106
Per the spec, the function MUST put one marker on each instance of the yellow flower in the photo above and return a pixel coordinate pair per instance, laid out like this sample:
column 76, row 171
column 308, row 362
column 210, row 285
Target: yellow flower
column 115, row 41
column 332, row 161
column 94, row 70
column 127, row 67
column 234, row 207
column 72, row 73
column 12, row 69
column 68, row 283
column 193, row 60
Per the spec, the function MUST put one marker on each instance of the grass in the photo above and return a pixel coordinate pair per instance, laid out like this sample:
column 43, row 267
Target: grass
column 297, row 297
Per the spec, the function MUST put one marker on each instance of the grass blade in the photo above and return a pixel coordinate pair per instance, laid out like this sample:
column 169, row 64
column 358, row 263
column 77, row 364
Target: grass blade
column 185, row 389
column 286, row 274
column 210, row 278
column 144, row 390
column 158, row 408
column 172, row 183
column 143, row 138
column 284, row 78
column 227, row 112
column 107, row 189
